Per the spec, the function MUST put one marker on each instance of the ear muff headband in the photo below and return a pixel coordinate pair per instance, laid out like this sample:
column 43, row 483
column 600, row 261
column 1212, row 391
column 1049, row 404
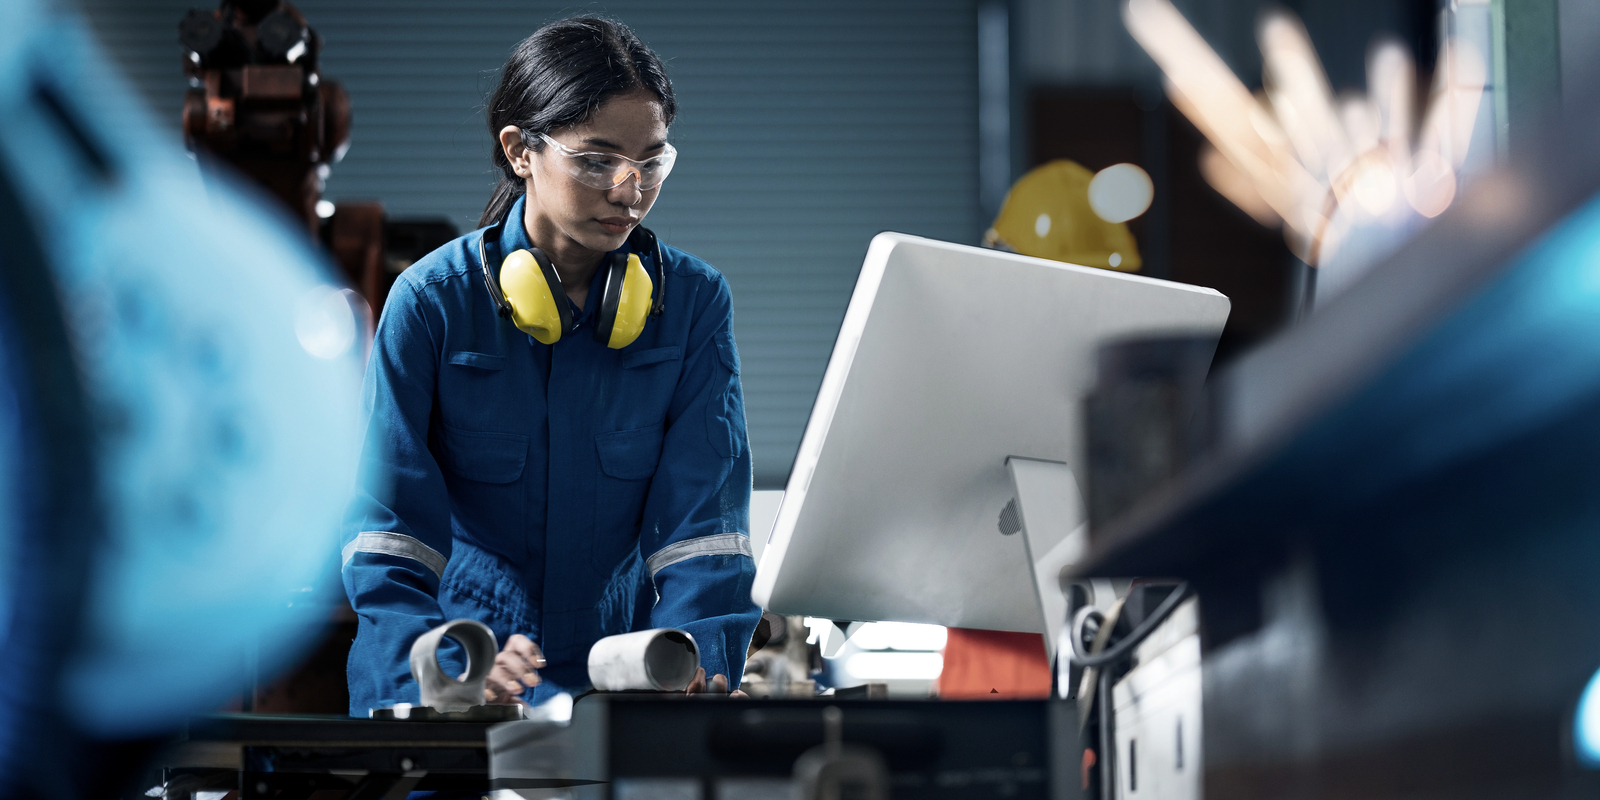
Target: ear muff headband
column 649, row 243
column 501, row 309
column 610, row 294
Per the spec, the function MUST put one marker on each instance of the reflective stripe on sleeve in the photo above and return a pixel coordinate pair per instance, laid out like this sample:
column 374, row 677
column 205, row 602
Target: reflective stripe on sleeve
column 384, row 543
column 722, row 544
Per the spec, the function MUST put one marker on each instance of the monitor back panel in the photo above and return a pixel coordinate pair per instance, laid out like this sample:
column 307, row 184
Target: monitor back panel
column 950, row 359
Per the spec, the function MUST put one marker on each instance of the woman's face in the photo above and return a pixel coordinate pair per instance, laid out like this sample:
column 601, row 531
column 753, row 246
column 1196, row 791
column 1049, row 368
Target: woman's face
column 570, row 220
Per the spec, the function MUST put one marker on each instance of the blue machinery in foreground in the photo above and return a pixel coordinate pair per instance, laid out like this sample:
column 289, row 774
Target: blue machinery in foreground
column 1394, row 543
column 179, row 380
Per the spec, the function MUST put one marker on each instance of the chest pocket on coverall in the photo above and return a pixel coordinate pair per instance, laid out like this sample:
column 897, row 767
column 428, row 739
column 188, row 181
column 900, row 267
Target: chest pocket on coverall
column 627, row 462
column 725, row 410
column 483, row 469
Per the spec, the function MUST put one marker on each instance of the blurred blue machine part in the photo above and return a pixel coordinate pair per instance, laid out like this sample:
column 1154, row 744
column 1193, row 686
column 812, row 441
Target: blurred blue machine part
column 1586, row 725
column 219, row 372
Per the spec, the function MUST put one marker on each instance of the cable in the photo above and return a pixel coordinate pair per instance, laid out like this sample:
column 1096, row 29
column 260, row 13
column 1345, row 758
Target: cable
column 1102, row 690
column 1122, row 648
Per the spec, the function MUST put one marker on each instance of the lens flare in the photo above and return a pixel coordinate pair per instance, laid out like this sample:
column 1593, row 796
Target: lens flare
column 326, row 321
column 1294, row 155
column 1586, row 725
column 1374, row 187
column 894, row 666
column 1120, row 192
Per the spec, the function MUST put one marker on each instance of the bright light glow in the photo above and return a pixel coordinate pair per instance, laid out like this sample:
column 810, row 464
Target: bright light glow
column 1586, row 725
column 894, row 666
column 1374, row 188
column 324, row 209
column 1241, row 127
column 1390, row 80
column 1236, row 186
column 899, row 636
column 818, row 627
column 1432, row 185
column 1292, row 155
column 1120, row 192
column 1457, row 90
column 1360, row 119
column 1300, row 94
column 1041, row 226
column 325, row 321
column 1115, row 260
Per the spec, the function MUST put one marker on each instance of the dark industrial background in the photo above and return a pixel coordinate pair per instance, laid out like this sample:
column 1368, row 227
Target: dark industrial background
column 805, row 128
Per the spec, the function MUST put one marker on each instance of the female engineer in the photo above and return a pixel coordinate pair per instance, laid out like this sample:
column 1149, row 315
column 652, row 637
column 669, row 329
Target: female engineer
column 556, row 438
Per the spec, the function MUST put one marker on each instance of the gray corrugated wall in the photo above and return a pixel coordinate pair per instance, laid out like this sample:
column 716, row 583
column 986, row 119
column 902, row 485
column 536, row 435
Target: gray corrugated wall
column 804, row 128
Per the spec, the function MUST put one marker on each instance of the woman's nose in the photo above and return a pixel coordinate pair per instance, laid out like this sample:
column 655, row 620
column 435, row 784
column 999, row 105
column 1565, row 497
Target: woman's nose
column 628, row 192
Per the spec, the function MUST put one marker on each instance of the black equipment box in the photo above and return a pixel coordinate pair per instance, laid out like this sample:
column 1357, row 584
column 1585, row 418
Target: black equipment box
column 685, row 747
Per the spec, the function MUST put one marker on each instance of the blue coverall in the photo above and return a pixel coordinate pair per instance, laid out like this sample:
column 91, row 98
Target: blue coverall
column 566, row 492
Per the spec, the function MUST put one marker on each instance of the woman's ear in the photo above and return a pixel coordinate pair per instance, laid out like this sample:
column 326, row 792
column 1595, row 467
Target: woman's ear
column 517, row 153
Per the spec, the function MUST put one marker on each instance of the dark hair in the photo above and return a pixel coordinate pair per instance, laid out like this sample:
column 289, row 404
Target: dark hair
column 557, row 78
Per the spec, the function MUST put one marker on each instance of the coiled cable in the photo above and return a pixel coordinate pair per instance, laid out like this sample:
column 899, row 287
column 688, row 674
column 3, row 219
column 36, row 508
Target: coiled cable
column 1123, row 647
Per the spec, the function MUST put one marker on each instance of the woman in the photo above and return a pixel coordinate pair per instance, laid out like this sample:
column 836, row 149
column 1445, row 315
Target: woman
column 557, row 492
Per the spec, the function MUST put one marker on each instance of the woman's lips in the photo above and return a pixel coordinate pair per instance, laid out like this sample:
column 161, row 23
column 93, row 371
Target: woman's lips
column 617, row 224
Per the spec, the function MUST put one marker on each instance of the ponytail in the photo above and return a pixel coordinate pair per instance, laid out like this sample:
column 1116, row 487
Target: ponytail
column 506, row 192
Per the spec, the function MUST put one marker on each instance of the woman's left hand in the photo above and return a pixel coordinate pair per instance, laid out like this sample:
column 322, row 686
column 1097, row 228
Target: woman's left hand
column 717, row 685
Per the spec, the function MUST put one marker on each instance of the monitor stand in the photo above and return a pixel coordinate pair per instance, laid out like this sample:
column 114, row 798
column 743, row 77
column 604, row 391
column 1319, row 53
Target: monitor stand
column 1050, row 515
column 1055, row 533
column 836, row 634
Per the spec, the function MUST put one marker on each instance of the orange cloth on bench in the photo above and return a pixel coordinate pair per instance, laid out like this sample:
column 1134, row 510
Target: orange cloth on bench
column 994, row 665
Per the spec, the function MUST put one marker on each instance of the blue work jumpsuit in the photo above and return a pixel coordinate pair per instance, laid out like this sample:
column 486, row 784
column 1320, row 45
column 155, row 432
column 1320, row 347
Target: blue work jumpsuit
column 566, row 492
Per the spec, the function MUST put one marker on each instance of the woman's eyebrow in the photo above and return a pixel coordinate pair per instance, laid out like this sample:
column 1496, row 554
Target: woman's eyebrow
column 594, row 141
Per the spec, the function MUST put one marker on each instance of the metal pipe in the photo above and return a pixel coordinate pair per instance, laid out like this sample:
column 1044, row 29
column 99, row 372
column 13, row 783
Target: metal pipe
column 660, row 660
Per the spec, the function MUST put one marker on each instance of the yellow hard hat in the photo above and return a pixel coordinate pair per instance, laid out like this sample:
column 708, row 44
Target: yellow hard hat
column 1047, row 215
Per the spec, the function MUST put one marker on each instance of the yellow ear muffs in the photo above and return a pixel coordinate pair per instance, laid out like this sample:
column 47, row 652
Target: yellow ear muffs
column 626, row 303
column 530, row 285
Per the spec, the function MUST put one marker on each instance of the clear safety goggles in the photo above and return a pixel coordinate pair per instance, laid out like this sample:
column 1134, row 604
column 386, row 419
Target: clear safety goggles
column 609, row 170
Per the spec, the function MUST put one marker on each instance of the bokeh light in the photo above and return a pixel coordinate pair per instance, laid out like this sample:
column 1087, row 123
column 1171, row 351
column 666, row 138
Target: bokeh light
column 1586, row 725
column 1120, row 192
column 899, row 636
column 894, row 666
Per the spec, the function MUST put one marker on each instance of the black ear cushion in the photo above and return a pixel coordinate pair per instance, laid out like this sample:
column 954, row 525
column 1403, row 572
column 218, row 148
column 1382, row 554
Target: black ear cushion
column 557, row 293
column 616, row 270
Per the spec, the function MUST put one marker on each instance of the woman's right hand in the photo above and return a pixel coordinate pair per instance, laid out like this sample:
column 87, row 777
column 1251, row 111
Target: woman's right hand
column 718, row 685
column 515, row 671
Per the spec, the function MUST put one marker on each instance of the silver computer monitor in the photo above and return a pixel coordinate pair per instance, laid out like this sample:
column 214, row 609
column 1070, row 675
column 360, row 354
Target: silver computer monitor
column 950, row 361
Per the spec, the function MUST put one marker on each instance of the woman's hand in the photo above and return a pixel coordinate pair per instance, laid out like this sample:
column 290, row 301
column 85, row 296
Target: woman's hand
column 718, row 685
column 515, row 671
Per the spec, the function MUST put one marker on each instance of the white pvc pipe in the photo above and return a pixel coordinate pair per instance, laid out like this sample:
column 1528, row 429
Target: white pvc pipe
column 660, row 660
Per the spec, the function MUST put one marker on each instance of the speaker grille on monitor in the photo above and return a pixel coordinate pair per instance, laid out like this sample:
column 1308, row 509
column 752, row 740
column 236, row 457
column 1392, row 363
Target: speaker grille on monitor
column 1010, row 519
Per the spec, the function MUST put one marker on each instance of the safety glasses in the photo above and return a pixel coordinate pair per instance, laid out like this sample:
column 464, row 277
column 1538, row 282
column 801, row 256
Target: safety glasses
column 609, row 170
